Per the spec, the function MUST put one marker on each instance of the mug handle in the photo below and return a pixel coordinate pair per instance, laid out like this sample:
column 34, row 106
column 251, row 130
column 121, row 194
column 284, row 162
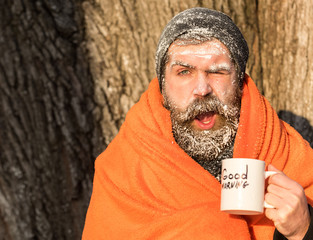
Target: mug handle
column 267, row 174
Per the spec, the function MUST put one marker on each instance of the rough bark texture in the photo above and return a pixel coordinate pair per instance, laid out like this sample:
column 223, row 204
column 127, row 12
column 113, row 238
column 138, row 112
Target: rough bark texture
column 49, row 136
column 70, row 70
column 286, row 29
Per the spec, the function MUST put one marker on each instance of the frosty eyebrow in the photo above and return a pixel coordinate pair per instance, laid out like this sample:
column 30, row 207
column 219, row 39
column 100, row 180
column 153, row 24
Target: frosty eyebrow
column 219, row 67
column 180, row 63
column 212, row 69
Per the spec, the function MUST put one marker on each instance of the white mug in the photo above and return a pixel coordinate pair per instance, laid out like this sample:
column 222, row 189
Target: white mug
column 242, row 183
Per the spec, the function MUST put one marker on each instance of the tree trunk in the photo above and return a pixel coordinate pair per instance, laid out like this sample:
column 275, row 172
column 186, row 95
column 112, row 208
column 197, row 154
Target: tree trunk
column 122, row 37
column 287, row 60
column 70, row 70
column 50, row 134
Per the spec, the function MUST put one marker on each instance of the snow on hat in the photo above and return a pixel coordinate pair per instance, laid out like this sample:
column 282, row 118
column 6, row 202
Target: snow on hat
column 209, row 23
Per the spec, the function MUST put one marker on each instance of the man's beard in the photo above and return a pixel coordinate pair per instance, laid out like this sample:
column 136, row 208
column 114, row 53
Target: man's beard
column 205, row 145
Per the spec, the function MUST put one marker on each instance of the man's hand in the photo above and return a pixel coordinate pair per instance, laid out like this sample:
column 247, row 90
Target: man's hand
column 291, row 215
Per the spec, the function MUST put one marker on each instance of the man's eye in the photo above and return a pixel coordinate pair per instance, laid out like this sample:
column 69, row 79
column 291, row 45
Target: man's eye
column 216, row 73
column 184, row 72
column 220, row 72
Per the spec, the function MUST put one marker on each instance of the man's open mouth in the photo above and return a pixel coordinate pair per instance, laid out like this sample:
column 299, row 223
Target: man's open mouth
column 206, row 120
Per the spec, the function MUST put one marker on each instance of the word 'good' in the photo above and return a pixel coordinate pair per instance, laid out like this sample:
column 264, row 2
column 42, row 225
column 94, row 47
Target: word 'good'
column 235, row 180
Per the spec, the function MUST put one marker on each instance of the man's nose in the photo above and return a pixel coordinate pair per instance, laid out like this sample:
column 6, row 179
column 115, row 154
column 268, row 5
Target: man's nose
column 202, row 87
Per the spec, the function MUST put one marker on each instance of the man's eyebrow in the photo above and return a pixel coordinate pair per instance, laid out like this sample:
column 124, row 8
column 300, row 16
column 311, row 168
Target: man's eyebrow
column 220, row 67
column 181, row 63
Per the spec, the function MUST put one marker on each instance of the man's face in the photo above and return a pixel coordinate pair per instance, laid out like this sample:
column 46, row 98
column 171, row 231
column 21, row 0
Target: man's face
column 201, row 91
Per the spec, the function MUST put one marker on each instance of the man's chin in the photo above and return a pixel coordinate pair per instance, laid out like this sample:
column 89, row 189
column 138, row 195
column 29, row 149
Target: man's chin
column 204, row 144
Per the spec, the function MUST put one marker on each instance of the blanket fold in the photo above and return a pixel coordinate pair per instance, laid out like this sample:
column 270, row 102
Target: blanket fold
column 147, row 187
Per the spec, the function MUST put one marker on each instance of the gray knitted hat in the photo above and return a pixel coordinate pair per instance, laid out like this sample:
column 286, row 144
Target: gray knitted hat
column 209, row 23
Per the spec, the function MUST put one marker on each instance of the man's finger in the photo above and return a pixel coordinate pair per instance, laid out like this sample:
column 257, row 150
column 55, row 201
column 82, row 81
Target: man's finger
column 271, row 213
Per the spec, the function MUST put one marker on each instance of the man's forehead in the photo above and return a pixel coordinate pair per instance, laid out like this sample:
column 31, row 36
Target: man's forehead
column 204, row 49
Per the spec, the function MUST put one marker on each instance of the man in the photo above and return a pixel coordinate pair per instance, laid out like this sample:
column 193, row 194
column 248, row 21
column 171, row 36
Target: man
column 159, row 178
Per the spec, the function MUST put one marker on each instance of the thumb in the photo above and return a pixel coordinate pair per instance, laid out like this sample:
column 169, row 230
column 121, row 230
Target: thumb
column 272, row 168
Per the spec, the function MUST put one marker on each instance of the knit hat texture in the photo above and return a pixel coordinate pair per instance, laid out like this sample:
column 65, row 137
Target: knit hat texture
column 208, row 23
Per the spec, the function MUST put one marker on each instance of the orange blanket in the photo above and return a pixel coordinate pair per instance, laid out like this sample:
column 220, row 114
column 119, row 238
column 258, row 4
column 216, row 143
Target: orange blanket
column 147, row 187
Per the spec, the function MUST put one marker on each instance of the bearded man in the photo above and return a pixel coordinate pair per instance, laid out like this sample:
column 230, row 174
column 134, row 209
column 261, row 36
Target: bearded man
column 160, row 176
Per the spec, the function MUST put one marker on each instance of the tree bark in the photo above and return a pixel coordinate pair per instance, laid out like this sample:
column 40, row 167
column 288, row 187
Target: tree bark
column 122, row 37
column 70, row 70
column 287, row 60
column 50, row 134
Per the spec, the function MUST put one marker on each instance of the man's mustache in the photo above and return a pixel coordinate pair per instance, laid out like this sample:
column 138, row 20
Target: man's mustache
column 205, row 105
